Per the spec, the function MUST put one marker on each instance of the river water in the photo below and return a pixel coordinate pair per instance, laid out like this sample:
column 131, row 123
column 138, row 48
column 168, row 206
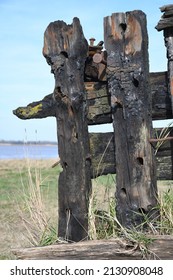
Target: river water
column 28, row 151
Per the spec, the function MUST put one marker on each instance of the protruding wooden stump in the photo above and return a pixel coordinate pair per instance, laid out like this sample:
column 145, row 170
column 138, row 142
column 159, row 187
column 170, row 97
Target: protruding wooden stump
column 126, row 42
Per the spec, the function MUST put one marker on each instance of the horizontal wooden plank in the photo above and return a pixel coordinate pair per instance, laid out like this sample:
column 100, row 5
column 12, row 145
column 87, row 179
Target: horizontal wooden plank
column 166, row 20
column 164, row 23
column 98, row 101
column 164, row 168
column 103, row 156
column 161, row 100
column 161, row 247
column 166, row 8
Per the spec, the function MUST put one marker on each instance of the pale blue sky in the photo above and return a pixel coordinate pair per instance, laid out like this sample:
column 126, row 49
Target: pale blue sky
column 25, row 75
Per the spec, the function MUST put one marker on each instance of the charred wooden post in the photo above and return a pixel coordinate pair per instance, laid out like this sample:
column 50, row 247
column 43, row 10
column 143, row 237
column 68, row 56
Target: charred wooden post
column 166, row 24
column 126, row 42
column 65, row 49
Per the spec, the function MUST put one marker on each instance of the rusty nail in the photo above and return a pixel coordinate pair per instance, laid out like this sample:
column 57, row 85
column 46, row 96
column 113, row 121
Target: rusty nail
column 56, row 163
column 92, row 40
column 152, row 140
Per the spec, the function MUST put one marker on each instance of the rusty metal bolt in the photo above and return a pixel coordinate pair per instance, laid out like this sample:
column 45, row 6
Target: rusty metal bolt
column 92, row 40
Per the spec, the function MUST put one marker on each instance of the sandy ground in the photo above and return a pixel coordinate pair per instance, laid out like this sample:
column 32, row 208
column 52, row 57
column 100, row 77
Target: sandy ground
column 9, row 164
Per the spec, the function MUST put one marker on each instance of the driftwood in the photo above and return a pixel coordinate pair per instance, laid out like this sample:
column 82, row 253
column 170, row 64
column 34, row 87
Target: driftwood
column 126, row 42
column 114, row 249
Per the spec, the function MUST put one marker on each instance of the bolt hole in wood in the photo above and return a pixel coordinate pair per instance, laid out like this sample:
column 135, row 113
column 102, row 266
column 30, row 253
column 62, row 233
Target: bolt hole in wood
column 65, row 164
column 123, row 26
column 123, row 192
column 59, row 89
column 65, row 54
column 140, row 160
column 135, row 82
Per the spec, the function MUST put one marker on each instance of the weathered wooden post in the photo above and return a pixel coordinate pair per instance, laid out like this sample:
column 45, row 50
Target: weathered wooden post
column 65, row 49
column 126, row 42
column 166, row 24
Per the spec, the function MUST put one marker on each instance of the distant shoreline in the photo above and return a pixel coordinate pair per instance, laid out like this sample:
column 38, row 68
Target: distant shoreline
column 30, row 150
column 33, row 143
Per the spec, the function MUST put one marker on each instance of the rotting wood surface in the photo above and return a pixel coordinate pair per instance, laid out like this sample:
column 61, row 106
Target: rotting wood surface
column 65, row 50
column 161, row 247
column 166, row 24
column 126, row 42
column 103, row 156
column 167, row 18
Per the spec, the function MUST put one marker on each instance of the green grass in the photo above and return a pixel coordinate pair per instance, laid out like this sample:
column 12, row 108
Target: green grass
column 16, row 217
column 12, row 181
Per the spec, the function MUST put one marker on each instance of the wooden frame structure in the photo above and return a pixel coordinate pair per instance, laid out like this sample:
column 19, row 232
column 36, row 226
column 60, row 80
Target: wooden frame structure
column 93, row 86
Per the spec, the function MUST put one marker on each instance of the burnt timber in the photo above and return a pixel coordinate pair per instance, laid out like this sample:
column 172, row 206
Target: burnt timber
column 98, row 101
column 126, row 42
column 103, row 156
column 166, row 20
column 65, row 49
column 93, row 86
column 166, row 24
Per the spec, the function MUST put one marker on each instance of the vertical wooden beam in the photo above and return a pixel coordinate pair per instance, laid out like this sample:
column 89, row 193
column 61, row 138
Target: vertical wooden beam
column 166, row 24
column 65, row 49
column 126, row 42
column 168, row 35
